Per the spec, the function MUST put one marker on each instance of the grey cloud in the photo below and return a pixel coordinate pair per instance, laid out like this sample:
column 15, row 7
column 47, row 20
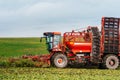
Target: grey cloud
column 36, row 16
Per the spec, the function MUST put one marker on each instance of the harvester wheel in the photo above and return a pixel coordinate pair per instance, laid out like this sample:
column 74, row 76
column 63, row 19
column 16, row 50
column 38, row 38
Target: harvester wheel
column 110, row 61
column 59, row 60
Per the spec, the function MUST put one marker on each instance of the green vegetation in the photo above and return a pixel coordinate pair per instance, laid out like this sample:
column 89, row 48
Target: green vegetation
column 10, row 47
column 11, row 50
column 57, row 74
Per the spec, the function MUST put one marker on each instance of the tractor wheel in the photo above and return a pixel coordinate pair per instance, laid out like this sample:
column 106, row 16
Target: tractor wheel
column 110, row 61
column 59, row 60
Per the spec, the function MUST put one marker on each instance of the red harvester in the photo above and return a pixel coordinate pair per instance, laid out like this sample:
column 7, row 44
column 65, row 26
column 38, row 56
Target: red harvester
column 88, row 46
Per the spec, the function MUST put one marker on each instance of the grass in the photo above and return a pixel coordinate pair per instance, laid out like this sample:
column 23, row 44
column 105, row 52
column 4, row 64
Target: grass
column 20, row 46
column 57, row 74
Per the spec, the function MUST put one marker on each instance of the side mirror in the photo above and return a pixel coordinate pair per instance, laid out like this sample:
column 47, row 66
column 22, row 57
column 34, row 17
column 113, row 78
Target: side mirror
column 40, row 39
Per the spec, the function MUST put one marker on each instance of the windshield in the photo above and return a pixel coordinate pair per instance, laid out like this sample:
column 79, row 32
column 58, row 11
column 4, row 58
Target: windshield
column 52, row 41
column 57, row 39
column 49, row 41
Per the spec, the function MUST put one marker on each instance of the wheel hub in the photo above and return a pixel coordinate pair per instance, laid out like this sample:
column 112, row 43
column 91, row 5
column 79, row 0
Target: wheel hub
column 59, row 60
column 112, row 62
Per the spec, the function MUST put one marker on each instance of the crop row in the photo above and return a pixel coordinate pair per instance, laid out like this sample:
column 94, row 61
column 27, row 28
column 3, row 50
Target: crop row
column 28, row 73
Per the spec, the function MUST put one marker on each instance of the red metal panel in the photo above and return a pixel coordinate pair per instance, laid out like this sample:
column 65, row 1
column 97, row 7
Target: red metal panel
column 78, row 41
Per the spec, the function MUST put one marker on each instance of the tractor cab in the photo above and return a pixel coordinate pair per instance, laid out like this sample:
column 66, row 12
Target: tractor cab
column 52, row 39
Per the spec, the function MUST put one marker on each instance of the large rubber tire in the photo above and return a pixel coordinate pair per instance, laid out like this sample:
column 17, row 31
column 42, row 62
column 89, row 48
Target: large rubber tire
column 59, row 60
column 110, row 61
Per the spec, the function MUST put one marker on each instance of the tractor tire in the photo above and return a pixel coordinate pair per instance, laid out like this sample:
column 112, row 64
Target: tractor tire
column 110, row 61
column 59, row 60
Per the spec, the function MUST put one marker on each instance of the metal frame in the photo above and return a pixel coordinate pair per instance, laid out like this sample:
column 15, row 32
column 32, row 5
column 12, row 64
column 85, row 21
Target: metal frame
column 110, row 35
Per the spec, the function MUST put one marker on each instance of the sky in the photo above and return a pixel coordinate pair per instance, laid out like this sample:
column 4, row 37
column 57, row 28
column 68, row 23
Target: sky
column 30, row 18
